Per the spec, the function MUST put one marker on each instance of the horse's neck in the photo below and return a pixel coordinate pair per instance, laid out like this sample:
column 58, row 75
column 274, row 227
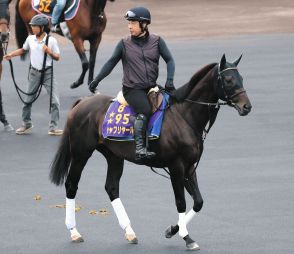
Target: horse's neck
column 198, row 115
column 97, row 6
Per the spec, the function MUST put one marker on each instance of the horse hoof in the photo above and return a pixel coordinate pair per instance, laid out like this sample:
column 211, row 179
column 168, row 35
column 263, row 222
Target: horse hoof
column 77, row 239
column 168, row 233
column 75, row 85
column 131, row 239
column 171, row 231
column 76, row 236
column 192, row 246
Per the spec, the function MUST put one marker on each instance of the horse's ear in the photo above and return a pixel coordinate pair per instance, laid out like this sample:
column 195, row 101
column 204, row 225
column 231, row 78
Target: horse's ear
column 238, row 60
column 223, row 62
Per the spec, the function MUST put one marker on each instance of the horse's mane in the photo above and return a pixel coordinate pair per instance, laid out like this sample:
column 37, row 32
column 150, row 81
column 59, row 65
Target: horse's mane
column 182, row 92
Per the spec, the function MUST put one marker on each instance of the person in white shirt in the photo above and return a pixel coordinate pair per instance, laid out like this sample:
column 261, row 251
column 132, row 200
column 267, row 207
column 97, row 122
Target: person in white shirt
column 35, row 44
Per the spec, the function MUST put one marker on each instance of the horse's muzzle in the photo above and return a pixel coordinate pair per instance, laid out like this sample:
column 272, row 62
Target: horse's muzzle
column 242, row 104
column 4, row 37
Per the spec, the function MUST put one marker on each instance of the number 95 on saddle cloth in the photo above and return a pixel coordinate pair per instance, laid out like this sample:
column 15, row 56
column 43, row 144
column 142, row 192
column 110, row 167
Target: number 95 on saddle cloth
column 118, row 123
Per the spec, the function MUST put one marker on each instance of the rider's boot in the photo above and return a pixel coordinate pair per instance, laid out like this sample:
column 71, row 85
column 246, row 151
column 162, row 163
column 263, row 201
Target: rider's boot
column 55, row 28
column 140, row 127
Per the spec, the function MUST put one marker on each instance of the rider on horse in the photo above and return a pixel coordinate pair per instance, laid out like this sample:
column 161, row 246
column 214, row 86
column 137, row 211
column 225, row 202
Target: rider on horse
column 140, row 53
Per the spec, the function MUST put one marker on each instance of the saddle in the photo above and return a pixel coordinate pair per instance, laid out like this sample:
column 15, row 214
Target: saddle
column 118, row 123
column 155, row 98
column 46, row 7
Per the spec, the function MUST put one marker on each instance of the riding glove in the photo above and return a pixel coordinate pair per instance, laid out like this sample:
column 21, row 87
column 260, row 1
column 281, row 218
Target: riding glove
column 92, row 86
column 169, row 85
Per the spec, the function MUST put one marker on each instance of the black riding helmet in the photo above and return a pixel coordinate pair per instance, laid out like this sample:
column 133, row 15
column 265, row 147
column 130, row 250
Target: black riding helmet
column 140, row 14
column 39, row 20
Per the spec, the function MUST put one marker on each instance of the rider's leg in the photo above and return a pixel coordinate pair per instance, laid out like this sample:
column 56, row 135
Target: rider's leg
column 137, row 99
column 58, row 8
column 140, row 128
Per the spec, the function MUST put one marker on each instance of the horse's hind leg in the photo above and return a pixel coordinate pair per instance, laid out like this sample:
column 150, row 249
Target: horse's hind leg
column 71, row 185
column 94, row 44
column 114, row 173
column 79, row 46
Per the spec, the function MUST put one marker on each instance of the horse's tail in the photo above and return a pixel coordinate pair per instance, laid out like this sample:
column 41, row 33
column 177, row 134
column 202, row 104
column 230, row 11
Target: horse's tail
column 61, row 162
column 21, row 32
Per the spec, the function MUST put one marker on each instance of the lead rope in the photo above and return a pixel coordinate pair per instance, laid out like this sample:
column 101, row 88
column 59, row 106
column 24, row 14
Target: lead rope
column 38, row 89
column 51, row 88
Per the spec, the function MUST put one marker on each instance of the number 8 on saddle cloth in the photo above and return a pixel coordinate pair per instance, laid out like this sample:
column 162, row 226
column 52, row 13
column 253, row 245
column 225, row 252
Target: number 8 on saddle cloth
column 118, row 123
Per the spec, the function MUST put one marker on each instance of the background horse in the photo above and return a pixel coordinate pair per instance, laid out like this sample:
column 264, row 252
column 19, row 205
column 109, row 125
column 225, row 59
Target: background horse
column 179, row 147
column 88, row 24
column 4, row 37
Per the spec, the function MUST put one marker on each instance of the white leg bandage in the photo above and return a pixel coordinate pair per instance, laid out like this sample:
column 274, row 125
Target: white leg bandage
column 189, row 216
column 182, row 225
column 129, row 230
column 121, row 214
column 70, row 216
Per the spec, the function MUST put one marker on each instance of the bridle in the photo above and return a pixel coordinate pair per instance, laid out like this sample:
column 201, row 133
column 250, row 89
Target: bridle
column 213, row 109
column 4, row 43
column 228, row 98
column 220, row 85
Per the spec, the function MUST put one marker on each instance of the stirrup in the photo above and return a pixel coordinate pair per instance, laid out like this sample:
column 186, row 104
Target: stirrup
column 55, row 29
column 144, row 154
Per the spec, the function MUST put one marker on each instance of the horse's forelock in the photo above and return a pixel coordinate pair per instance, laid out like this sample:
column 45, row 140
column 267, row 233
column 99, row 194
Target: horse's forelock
column 182, row 92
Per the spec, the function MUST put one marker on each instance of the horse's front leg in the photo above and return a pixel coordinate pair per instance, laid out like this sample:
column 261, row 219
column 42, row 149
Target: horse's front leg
column 114, row 173
column 178, row 183
column 79, row 46
column 191, row 185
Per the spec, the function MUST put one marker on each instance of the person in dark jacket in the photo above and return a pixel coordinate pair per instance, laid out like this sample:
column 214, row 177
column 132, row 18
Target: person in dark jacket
column 139, row 53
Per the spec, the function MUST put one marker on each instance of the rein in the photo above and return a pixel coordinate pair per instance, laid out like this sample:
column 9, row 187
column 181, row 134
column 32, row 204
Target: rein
column 215, row 106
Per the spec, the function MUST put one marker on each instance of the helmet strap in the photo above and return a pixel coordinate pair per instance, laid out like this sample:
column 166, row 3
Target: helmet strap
column 41, row 31
column 144, row 28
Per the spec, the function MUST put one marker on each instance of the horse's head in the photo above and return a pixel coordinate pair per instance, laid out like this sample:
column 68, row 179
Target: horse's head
column 4, row 21
column 230, row 86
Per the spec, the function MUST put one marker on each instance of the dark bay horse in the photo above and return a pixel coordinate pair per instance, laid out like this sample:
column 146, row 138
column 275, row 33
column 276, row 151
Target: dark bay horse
column 88, row 24
column 4, row 37
column 179, row 147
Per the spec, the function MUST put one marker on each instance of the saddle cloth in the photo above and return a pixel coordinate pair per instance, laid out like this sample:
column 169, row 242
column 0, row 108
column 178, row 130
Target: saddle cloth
column 118, row 123
column 46, row 7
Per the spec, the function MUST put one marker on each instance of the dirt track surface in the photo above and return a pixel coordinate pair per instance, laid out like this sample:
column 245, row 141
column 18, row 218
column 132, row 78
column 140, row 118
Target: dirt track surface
column 196, row 19
column 187, row 19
